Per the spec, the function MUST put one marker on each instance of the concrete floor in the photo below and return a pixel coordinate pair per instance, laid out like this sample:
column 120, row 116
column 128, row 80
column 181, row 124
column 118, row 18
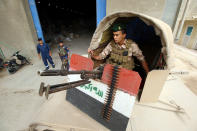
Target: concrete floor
column 19, row 99
column 20, row 104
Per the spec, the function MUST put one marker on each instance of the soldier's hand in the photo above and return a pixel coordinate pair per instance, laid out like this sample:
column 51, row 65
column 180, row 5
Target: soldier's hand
column 96, row 57
column 145, row 66
column 90, row 51
column 39, row 56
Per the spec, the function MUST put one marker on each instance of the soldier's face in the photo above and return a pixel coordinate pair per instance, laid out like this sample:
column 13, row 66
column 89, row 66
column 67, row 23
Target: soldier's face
column 119, row 37
column 41, row 42
column 61, row 44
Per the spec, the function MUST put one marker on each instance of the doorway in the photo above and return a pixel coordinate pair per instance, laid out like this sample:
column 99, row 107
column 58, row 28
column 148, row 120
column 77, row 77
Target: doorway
column 61, row 19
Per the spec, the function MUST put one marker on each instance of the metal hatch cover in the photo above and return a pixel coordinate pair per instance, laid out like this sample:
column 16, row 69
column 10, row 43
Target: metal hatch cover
column 153, row 86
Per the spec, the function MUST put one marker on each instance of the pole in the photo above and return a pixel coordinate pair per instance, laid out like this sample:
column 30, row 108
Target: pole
column 100, row 10
column 36, row 20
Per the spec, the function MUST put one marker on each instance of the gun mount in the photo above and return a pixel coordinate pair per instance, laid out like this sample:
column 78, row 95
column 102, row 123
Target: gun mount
column 84, row 75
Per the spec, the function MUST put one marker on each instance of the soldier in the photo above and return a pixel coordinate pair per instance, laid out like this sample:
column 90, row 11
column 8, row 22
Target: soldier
column 64, row 55
column 45, row 51
column 121, row 50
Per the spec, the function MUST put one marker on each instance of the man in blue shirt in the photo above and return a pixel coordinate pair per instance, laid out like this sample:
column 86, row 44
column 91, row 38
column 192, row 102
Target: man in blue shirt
column 45, row 51
column 64, row 55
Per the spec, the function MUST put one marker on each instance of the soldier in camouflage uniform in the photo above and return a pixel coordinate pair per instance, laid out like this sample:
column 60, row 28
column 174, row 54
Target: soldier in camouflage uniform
column 64, row 55
column 121, row 50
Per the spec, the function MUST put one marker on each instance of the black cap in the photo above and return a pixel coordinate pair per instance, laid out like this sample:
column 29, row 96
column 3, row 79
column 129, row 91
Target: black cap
column 39, row 39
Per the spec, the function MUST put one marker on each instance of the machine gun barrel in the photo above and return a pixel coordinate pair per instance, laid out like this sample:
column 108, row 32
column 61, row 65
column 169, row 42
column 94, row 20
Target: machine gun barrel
column 84, row 74
column 65, row 72
column 49, row 89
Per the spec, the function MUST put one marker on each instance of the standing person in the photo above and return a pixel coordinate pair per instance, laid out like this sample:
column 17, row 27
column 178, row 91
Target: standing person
column 121, row 50
column 64, row 55
column 45, row 51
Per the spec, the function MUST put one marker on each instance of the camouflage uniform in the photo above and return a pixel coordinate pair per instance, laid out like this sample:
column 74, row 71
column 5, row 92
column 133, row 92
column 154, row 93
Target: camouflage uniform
column 63, row 53
column 122, row 55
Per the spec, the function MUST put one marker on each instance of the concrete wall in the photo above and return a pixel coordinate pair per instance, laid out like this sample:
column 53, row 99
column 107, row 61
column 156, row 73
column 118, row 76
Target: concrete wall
column 192, row 11
column 166, row 10
column 188, row 8
column 187, row 17
column 170, row 12
column 16, row 33
column 149, row 7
